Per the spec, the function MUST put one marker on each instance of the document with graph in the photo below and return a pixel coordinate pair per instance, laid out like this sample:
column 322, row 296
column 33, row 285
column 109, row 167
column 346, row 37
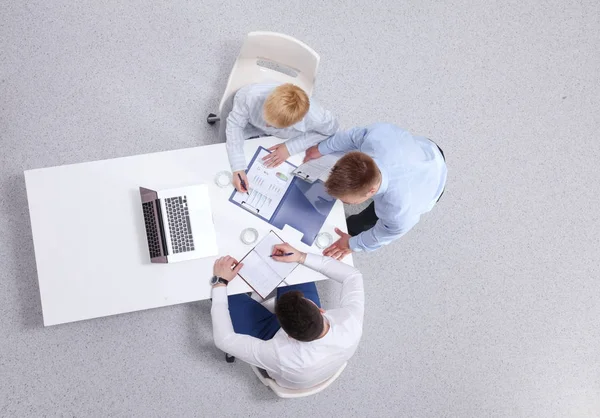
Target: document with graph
column 280, row 198
column 267, row 186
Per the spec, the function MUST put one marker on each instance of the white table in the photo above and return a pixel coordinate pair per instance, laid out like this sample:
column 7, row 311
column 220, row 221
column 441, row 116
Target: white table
column 89, row 237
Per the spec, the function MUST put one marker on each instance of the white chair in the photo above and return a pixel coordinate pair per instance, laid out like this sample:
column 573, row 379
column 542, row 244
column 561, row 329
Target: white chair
column 296, row 393
column 270, row 57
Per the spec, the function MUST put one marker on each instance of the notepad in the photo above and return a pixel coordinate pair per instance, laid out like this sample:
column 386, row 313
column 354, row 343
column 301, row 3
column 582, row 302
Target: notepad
column 317, row 169
column 261, row 272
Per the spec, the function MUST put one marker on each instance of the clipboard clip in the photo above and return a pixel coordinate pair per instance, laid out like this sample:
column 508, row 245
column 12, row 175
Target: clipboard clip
column 249, row 207
column 300, row 174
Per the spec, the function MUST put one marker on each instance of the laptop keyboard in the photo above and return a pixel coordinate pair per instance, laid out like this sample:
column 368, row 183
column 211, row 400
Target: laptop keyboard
column 151, row 230
column 180, row 228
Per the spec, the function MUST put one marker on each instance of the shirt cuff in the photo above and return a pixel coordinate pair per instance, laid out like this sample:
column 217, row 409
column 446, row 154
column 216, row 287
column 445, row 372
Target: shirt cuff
column 237, row 159
column 219, row 294
column 293, row 146
column 324, row 148
column 354, row 245
column 238, row 167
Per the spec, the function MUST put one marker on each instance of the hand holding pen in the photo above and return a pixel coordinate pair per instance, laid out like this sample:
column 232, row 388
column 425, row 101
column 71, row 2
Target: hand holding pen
column 280, row 254
column 287, row 254
column 240, row 181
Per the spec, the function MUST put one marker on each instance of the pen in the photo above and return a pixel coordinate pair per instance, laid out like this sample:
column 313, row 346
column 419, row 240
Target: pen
column 282, row 255
column 243, row 183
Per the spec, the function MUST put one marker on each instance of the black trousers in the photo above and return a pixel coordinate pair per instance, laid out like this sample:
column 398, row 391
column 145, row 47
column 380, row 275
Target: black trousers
column 367, row 219
column 362, row 221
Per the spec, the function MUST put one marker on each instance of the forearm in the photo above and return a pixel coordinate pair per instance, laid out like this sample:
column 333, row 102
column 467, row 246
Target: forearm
column 333, row 269
column 303, row 142
column 352, row 296
column 237, row 120
column 343, row 141
column 235, row 151
column 378, row 236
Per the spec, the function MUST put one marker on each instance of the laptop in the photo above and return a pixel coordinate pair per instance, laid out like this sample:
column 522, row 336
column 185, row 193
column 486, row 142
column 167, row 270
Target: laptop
column 179, row 224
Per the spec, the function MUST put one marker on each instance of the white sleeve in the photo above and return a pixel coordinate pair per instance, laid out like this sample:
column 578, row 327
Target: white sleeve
column 246, row 348
column 344, row 141
column 382, row 234
column 320, row 124
column 236, row 123
column 353, row 294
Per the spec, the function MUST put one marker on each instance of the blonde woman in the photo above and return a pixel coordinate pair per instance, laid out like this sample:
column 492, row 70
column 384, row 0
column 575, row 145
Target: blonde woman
column 281, row 110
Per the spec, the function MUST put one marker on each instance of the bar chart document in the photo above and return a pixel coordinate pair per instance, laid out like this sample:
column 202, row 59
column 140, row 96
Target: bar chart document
column 280, row 198
column 267, row 186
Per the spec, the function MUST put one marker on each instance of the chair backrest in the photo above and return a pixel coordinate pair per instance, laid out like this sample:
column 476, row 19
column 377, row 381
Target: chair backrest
column 272, row 57
column 297, row 393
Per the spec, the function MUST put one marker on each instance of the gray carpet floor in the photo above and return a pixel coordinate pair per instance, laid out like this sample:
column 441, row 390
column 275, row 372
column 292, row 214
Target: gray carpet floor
column 488, row 308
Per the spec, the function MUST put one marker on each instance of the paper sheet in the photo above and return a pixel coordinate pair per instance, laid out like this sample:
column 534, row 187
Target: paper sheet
column 260, row 271
column 258, row 275
column 265, row 249
column 267, row 186
column 317, row 169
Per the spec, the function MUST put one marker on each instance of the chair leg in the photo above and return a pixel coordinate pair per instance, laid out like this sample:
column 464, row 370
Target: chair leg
column 212, row 118
column 229, row 359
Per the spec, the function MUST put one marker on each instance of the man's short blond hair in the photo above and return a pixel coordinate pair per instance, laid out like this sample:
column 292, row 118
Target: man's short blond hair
column 286, row 106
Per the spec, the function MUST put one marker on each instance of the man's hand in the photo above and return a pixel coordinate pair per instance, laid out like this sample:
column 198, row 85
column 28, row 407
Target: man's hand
column 279, row 153
column 340, row 248
column 280, row 250
column 312, row 153
column 238, row 183
column 227, row 268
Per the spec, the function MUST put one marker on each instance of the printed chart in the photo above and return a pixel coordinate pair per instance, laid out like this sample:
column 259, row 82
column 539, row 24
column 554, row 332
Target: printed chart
column 267, row 186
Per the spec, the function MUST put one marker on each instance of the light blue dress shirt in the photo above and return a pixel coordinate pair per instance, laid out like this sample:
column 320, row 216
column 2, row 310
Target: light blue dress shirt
column 413, row 178
column 246, row 120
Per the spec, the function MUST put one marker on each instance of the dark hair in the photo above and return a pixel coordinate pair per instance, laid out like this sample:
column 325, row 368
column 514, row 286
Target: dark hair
column 298, row 316
column 355, row 172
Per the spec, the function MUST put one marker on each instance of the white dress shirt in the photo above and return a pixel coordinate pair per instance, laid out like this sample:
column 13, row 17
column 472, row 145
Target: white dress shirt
column 413, row 174
column 292, row 363
column 246, row 120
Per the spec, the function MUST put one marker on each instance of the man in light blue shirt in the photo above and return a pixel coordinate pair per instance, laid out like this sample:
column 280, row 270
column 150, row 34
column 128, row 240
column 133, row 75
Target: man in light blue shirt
column 281, row 110
column 404, row 174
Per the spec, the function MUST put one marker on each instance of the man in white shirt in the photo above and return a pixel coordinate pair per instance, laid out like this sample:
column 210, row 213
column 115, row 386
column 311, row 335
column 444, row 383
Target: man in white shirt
column 301, row 345
column 284, row 111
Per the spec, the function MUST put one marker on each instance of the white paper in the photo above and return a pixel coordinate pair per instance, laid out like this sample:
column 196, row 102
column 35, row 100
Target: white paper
column 317, row 169
column 258, row 275
column 260, row 271
column 267, row 186
column 265, row 249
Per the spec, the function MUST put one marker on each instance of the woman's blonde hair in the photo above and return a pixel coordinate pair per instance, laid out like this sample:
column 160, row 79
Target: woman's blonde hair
column 286, row 106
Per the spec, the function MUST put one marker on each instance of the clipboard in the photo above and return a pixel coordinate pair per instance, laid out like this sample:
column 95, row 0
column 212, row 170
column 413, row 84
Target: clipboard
column 318, row 169
column 303, row 206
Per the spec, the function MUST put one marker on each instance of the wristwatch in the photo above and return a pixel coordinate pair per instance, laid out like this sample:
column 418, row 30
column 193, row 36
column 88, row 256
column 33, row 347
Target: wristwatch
column 216, row 279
